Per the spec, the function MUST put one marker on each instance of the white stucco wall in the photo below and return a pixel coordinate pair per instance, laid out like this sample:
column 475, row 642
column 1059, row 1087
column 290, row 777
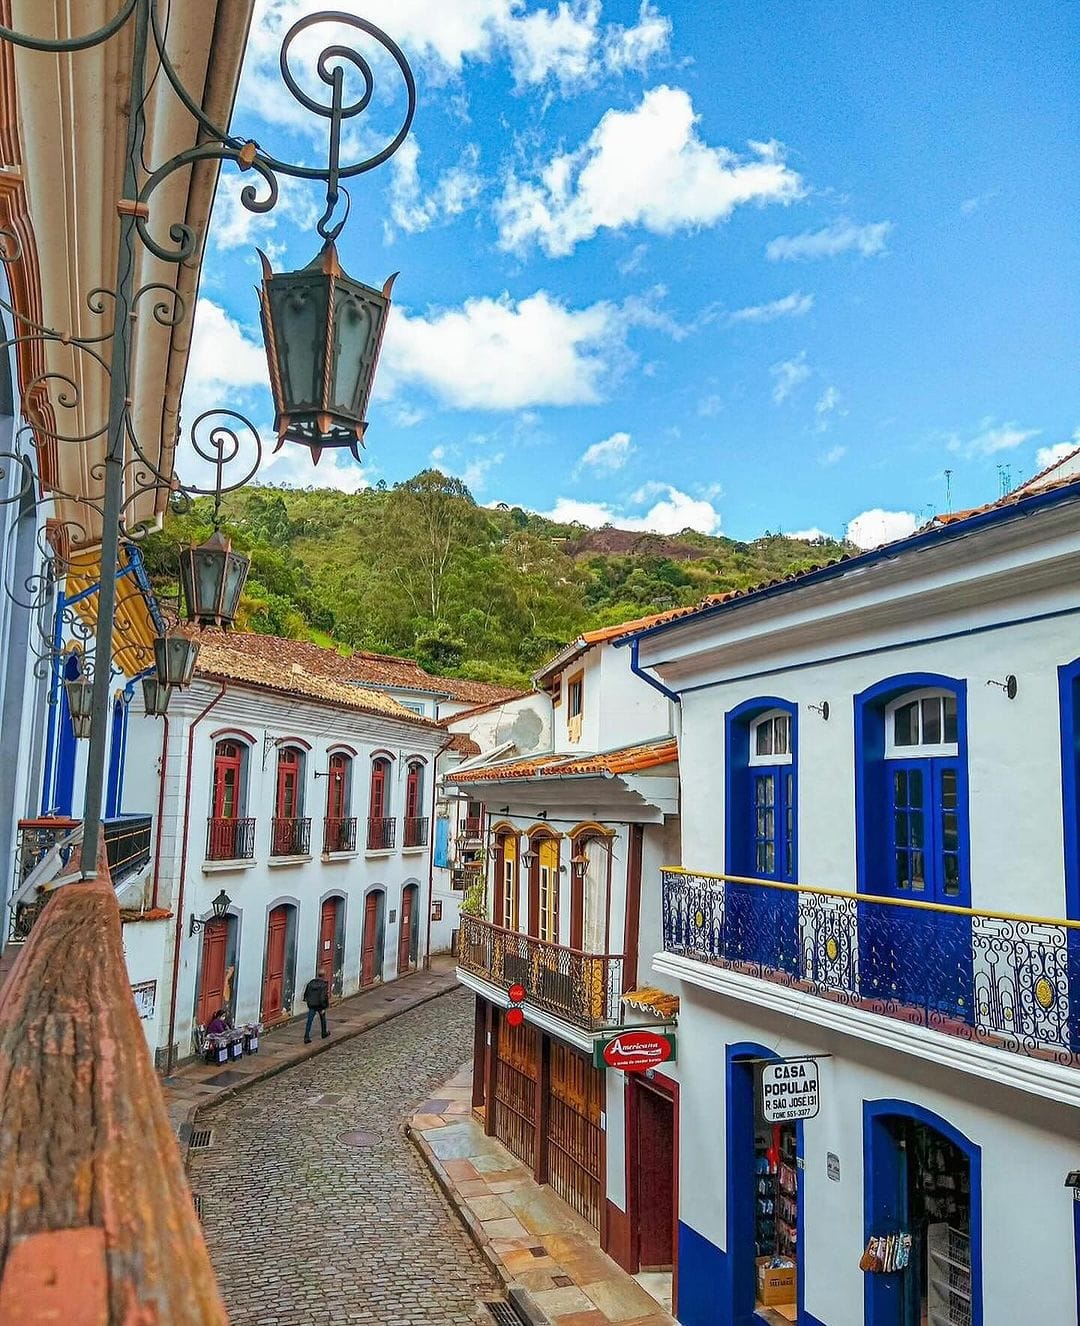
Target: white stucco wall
column 1027, row 1148
column 257, row 887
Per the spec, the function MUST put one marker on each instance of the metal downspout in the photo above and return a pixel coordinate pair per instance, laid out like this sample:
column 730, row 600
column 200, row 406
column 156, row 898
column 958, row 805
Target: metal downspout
column 178, row 910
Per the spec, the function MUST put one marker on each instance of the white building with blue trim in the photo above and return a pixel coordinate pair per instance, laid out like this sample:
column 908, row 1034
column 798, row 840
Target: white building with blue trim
column 881, row 879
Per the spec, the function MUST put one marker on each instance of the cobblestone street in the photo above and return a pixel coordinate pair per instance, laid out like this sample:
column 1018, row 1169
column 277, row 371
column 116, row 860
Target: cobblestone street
column 306, row 1229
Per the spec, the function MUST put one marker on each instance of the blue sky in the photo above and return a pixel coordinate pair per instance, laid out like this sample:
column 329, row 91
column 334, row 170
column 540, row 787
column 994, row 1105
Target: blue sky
column 775, row 264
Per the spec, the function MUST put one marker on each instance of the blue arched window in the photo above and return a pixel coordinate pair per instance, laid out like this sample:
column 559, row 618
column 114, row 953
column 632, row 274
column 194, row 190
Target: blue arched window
column 911, row 789
column 761, row 833
column 114, row 788
column 911, row 825
column 1069, row 682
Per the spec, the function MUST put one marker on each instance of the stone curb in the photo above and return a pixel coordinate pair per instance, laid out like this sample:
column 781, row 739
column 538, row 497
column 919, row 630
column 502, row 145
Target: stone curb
column 309, row 1052
column 519, row 1297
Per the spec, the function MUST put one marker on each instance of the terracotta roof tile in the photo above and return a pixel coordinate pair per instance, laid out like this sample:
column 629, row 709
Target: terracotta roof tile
column 294, row 667
column 407, row 674
column 630, row 759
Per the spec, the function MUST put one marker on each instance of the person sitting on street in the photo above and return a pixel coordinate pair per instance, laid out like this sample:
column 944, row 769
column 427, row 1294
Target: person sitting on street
column 317, row 998
column 218, row 1023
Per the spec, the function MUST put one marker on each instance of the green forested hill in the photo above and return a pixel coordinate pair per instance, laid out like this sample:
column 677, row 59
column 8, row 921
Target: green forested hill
column 419, row 569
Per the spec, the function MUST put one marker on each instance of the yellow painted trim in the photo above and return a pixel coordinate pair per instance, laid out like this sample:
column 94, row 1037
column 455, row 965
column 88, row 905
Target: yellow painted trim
column 876, row 899
column 504, row 826
column 590, row 826
column 539, row 830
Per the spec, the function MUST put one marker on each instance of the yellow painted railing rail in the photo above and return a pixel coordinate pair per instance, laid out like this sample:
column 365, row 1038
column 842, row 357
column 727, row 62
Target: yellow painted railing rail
column 876, row 899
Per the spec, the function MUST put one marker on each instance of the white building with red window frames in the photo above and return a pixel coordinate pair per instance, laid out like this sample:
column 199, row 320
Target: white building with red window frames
column 308, row 800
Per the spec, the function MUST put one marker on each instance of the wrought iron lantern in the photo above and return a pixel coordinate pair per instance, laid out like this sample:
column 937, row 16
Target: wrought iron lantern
column 156, row 696
column 529, row 857
column 174, row 658
column 220, row 907
column 212, row 578
column 579, row 865
column 80, row 698
column 323, row 332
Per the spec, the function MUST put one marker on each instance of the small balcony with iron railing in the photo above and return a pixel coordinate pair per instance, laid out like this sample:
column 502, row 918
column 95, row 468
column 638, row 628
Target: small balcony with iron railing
column 993, row 978
column 472, row 829
column 581, row 988
column 127, row 849
column 230, row 839
column 339, row 836
column 290, row 836
column 415, row 831
column 381, row 834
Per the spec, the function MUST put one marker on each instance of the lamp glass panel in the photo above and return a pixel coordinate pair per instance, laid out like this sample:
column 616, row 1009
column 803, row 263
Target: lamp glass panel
column 298, row 309
column 356, row 323
column 209, row 575
column 236, row 571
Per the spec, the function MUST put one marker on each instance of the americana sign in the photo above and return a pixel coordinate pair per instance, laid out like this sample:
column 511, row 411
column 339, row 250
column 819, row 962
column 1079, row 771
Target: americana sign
column 635, row 1051
column 789, row 1090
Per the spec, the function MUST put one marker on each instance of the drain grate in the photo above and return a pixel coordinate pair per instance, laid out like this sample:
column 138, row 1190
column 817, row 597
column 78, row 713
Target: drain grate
column 361, row 1137
column 201, row 1138
column 503, row 1312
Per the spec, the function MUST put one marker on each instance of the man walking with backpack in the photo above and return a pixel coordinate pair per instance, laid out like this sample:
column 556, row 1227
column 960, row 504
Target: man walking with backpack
column 317, row 998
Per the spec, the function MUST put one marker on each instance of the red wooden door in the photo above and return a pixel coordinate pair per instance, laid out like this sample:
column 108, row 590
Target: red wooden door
column 405, row 929
column 368, row 966
column 337, row 793
column 328, row 927
column 274, row 981
column 654, row 1155
column 212, row 979
column 227, row 780
column 288, row 784
column 412, row 791
column 378, row 789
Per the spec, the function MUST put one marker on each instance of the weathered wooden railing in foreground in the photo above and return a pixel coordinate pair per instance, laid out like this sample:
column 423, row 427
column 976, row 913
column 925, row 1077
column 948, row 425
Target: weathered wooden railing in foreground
column 97, row 1225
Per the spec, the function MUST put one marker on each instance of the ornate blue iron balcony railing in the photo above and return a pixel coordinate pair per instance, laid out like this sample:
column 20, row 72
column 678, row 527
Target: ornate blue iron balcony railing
column 1003, row 980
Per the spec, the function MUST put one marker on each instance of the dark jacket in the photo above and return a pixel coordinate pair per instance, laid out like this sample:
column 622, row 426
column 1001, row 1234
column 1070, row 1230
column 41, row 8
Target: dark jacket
column 317, row 993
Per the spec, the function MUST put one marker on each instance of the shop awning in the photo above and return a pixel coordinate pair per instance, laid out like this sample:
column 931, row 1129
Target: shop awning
column 138, row 619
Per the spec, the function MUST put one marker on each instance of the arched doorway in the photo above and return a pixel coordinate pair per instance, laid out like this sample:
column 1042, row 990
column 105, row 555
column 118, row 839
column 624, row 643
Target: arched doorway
column 408, row 928
column 216, row 984
column 330, row 960
column 923, row 1179
column 373, row 941
column 279, row 963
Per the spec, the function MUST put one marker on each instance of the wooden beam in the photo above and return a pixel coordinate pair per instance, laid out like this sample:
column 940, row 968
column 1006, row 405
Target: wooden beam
column 85, row 1141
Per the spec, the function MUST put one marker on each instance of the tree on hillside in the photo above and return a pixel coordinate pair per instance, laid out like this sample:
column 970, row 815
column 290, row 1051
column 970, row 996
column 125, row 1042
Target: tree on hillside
column 429, row 518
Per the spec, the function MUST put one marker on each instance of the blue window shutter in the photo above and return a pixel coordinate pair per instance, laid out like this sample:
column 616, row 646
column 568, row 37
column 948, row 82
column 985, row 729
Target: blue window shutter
column 442, row 843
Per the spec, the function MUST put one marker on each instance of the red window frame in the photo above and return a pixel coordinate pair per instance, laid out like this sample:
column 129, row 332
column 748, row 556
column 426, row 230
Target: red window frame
column 287, row 805
column 380, row 770
column 414, row 791
column 228, row 759
column 337, row 792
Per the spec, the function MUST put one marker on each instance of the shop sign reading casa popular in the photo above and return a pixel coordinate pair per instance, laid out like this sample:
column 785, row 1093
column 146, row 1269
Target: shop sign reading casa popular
column 789, row 1090
column 635, row 1051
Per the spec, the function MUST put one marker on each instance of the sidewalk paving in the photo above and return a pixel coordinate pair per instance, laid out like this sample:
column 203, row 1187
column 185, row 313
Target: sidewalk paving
column 530, row 1236
column 198, row 1084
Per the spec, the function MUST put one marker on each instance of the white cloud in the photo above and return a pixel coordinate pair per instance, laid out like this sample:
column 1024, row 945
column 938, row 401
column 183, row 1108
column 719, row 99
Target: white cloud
column 1047, row 456
column 791, row 306
column 673, row 513
column 827, row 404
column 710, row 406
column 841, row 237
column 636, row 47
column 872, row 528
column 991, row 439
column 607, row 456
column 810, row 535
column 223, row 357
column 414, row 208
column 559, row 43
column 634, row 260
column 787, row 375
column 567, row 46
column 832, row 456
column 234, row 226
column 506, row 354
column 473, row 472
column 407, row 416
column 647, row 167
column 971, row 205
